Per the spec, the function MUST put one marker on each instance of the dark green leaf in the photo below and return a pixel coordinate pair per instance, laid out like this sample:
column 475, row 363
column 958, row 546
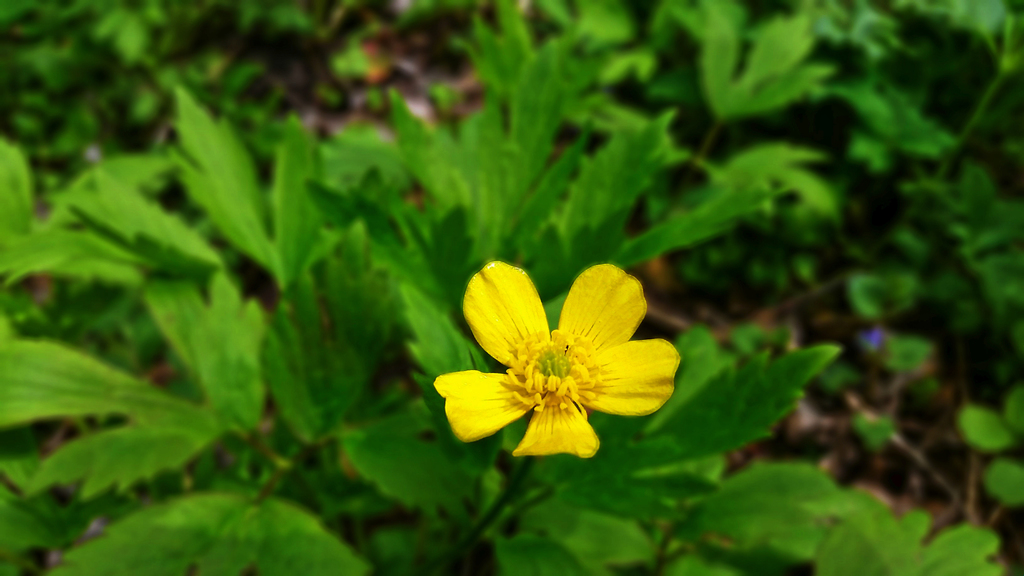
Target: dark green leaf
column 533, row 556
column 220, row 535
column 737, row 407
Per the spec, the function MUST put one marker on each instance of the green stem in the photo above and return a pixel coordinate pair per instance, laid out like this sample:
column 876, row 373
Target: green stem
column 466, row 543
column 703, row 151
column 972, row 122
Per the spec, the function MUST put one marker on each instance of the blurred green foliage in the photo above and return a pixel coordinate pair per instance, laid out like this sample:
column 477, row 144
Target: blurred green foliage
column 220, row 327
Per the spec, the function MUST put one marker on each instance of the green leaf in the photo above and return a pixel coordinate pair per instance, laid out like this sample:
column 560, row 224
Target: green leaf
column 737, row 407
column 984, row 429
column 874, row 431
column 781, row 167
column 498, row 60
column 893, row 121
column 40, row 380
column 219, row 534
column 534, row 556
column 1013, row 410
column 691, row 565
column 220, row 343
column 711, row 218
column 701, row 360
column 536, row 110
column 539, row 207
column 324, row 344
column 610, row 182
column 439, row 347
column 15, row 193
column 22, row 526
column 873, row 543
column 69, row 253
column 141, row 227
column 297, row 223
column 19, row 456
column 774, row 74
column 413, row 471
column 347, row 157
column 120, row 457
column 906, row 353
column 219, row 176
column 785, row 508
column 1004, row 479
column 597, row 540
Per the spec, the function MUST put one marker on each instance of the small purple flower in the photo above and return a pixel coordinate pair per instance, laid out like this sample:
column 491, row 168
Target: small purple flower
column 872, row 339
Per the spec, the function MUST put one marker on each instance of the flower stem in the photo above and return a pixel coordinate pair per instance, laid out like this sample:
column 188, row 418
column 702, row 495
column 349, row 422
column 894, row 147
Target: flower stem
column 972, row 122
column 466, row 543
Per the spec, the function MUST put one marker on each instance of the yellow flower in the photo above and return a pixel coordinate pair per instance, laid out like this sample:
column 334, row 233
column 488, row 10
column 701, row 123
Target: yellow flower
column 588, row 363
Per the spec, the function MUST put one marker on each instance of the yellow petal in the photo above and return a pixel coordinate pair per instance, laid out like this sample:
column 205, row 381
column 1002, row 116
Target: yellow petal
column 502, row 308
column 637, row 377
column 605, row 305
column 478, row 404
column 557, row 431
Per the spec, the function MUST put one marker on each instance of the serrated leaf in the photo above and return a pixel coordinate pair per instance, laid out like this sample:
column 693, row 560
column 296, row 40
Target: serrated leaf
column 69, row 253
column 413, row 471
column 786, row 508
column 526, row 555
column 711, row 218
column 141, row 227
column 781, row 167
column 297, row 222
column 220, row 343
column 326, row 340
column 40, row 380
column 774, row 73
column 874, row 543
column 439, row 346
column 610, row 182
column 498, row 60
column 737, row 407
column 984, row 429
column 219, row 176
column 537, row 105
column 701, row 359
column 1004, row 479
column 219, row 534
column 120, row 457
column 15, row 193
column 597, row 540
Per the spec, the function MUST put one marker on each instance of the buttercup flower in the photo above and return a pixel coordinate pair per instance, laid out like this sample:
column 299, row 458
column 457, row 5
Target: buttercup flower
column 588, row 363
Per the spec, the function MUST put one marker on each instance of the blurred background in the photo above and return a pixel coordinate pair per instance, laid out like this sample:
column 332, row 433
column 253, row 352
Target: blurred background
column 778, row 174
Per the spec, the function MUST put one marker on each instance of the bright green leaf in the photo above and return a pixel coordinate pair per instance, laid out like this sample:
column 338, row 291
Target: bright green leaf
column 984, row 429
column 15, row 193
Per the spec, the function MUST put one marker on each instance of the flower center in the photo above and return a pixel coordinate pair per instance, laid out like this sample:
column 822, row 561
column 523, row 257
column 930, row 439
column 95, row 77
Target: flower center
column 551, row 363
column 559, row 371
